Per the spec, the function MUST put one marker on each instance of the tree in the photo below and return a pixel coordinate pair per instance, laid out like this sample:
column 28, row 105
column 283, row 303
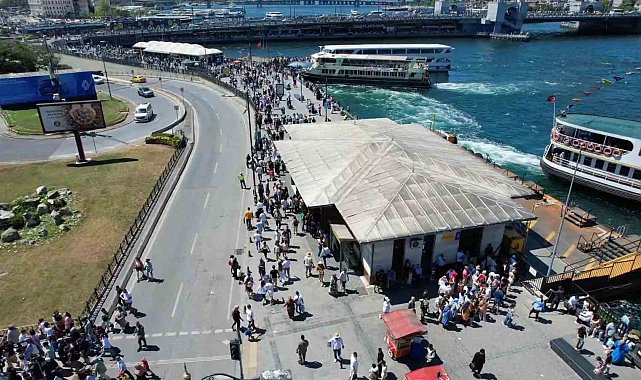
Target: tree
column 103, row 9
column 18, row 57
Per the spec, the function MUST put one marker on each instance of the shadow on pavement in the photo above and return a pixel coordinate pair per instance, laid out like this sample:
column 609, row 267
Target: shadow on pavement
column 105, row 162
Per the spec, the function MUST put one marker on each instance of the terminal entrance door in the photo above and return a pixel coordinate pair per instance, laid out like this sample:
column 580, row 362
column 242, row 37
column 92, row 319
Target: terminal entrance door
column 398, row 256
column 428, row 252
column 470, row 241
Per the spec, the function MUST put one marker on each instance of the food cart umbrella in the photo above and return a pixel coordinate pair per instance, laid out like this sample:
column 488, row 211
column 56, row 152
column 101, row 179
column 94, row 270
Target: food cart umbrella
column 402, row 323
column 428, row 373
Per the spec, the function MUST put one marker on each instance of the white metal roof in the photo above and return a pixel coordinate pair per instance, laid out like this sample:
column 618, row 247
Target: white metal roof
column 163, row 47
column 390, row 181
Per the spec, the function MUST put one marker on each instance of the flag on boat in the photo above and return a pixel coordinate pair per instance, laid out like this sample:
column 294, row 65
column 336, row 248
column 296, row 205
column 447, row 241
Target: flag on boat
column 606, row 81
column 587, row 93
column 577, row 100
column 617, row 78
column 551, row 99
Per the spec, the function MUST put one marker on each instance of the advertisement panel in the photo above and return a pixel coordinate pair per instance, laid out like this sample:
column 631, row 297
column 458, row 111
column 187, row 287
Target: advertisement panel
column 71, row 116
column 33, row 89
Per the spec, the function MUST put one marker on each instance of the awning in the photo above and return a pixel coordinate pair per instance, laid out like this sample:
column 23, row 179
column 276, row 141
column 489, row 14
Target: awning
column 341, row 232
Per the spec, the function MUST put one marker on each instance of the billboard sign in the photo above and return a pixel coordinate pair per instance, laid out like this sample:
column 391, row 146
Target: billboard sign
column 33, row 89
column 71, row 116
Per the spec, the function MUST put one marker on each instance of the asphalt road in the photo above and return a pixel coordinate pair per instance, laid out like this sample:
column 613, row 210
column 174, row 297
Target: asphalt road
column 186, row 315
column 13, row 150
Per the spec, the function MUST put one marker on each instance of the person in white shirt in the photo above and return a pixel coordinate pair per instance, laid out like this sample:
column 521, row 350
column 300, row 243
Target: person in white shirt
column 353, row 366
column 249, row 314
column 337, row 344
column 387, row 306
column 300, row 303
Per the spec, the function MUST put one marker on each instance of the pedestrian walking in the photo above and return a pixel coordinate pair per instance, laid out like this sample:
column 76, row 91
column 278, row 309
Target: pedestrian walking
column 373, row 372
column 295, row 224
column 509, row 317
column 380, row 359
column 337, row 344
column 581, row 332
column 477, row 362
column 149, row 269
column 235, row 316
column 261, row 268
column 290, row 305
column 234, row 266
column 249, row 314
column 241, row 179
column 320, row 267
column 140, row 334
column 300, row 303
column 384, row 371
column 249, row 215
column 387, row 306
column 344, row 277
column 537, row 307
column 308, row 262
column 353, row 366
column 139, row 268
column 301, row 350
column 122, row 367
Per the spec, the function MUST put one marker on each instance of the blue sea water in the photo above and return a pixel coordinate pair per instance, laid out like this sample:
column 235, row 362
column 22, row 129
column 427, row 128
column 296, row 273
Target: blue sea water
column 495, row 99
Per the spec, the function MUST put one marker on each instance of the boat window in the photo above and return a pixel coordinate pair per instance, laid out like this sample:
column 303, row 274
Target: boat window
column 413, row 51
column 624, row 171
column 611, row 167
column 438, row 51
column 427, row 51
column 587, row 161
column 369, row 51
column 599, row 164
column 398, row 51
column 384, row 51
column 636, row 174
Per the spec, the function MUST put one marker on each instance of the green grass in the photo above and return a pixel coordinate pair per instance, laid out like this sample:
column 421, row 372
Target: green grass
column 27, row 122
column 60, row 272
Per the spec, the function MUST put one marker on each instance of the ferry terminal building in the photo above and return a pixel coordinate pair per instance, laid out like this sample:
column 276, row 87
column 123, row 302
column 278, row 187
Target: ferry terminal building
column 389, row 193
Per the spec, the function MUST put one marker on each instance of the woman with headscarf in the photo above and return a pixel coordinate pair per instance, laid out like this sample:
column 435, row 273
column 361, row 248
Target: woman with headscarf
column 477, row 362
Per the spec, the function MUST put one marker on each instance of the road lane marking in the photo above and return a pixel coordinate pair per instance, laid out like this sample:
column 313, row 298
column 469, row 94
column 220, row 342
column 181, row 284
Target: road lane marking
column 130, row 337
column 206, row 332
column 170, row 334
column 183, row 333
column 193, row 245
column 220, row 150
column 216, row 168
column 218, row 331
column 206, row 201
column 156, row 335
column 173, row 311
column 229, row 330
column 218, row 117
column 569, row 251
column 550, row 236
column 195, row 333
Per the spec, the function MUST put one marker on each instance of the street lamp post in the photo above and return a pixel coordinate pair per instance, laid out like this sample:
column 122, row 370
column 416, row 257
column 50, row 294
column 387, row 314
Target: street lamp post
column 326, row 101
column 104, row 66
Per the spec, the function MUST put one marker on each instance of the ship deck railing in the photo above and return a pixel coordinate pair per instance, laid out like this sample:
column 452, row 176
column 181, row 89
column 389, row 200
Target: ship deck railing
column 571, row 140
column 597, row 173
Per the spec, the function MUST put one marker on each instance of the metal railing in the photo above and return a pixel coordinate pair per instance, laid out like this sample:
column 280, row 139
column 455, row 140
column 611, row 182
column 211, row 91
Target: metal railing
column 597, row 173
column 124, row 249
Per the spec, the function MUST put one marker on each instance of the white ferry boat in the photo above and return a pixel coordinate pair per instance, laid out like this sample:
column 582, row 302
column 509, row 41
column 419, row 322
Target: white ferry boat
column 274, row 16
column 605, row 151
column 376, row 70
column 437, row 56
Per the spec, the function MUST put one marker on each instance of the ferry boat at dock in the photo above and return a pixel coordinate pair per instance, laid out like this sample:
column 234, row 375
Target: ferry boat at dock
column 437, row 56
column 376, row 70
column 604, row 152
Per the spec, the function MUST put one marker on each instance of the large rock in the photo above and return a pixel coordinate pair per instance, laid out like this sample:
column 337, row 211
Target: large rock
column 41, row 190
column 33, row 221
column 65, row 211
column 64, row 191
column 5, row 206
column 42, row 209
column 43, row 232
column 57, row 218
column 6, row 218
column 9, row 235
column 53, row 194
column 31, row 202
column 63, row 227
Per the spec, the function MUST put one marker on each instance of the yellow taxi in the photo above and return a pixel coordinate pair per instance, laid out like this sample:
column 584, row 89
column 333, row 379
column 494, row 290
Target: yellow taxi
column 138, row 79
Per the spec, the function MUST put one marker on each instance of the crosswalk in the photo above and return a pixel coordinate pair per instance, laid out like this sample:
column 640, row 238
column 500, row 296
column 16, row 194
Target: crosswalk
column 172, row 333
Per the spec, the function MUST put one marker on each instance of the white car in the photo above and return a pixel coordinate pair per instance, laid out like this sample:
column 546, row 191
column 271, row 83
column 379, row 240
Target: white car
column 97, row 79
column 144, row 112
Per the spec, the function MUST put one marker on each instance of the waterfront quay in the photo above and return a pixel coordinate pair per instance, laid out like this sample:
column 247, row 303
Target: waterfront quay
column 336, row 27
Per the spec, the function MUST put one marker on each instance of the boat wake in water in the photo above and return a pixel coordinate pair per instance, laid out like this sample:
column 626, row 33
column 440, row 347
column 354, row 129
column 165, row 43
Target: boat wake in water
column 483, row 88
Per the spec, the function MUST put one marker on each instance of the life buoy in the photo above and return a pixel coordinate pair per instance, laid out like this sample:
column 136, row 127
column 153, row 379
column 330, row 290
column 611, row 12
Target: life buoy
column 590, row 146
column 575, row 143
column 616, row 153
column 597, row 148
column 566, row 141
column 583, row 144
column 557, row 138
column 607, row 151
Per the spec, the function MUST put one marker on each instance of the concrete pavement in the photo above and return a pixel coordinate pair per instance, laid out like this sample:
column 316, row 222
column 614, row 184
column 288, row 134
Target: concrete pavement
column 16, row 150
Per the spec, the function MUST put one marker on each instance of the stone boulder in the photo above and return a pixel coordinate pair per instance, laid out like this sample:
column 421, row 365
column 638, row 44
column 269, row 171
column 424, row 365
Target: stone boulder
column 6, row 219
column 57, row 203
column 65, row 211
column 41, row 190
column 53, row 194
column 63, row 227
column 64, row 191
column 43, row 233
column 9, row 235
column 42, row 209
column 31, row 202
column 32, row 221
column 57, row 218
column 5, row 206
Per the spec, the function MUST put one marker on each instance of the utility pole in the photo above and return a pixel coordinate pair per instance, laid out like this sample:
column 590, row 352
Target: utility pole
column 104, row 66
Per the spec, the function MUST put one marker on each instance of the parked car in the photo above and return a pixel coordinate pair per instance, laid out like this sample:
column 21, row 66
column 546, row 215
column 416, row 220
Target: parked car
column 97, row 79
column 145, row 92
column 144, row 112
column 139, row 79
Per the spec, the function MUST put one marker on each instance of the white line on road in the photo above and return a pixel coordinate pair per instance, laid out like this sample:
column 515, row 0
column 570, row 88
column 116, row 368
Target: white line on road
column 218, row 117
column 182, row 333
column 193, row 245
column 173, row 312
column 206, row 201
column 216, row 168
column 218, row 331
column 206, row 332
column 195, row 333
column 170, row 334
column 130, row 337
column 220, row 150
column 156, row 335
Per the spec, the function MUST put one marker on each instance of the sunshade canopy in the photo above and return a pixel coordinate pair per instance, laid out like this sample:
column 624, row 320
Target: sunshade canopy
column 175, row 48
column 402, row 323
column 390, row 181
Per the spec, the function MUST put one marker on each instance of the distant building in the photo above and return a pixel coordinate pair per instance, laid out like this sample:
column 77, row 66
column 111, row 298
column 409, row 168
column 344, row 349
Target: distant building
column 59, row 8
column 581, row 6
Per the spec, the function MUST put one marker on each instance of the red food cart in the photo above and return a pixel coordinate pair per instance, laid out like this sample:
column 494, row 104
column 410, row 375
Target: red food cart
column 435, row 372
column 402, row 326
